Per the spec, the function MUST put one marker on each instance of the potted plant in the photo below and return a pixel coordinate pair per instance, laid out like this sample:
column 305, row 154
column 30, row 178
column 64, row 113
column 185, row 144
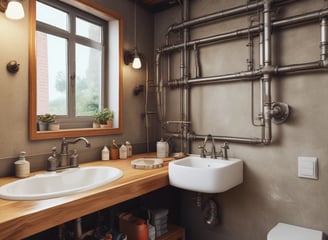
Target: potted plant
column 104, row 118
column 44, row 121
column 96, row 119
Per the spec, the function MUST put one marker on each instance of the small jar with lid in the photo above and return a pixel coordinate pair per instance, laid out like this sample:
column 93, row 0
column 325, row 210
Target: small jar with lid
column 22, row 167
column 129, row 148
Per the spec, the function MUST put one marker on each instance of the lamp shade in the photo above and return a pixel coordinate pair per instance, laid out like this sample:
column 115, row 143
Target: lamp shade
column 15, row 10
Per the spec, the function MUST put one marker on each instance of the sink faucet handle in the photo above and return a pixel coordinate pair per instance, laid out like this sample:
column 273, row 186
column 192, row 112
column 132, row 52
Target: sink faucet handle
column 203, row 151
column 225, row 145
column 225, row 148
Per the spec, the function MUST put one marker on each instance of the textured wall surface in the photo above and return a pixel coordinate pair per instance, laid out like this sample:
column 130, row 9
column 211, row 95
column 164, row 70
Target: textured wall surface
column 271, row 191
column 14, row 91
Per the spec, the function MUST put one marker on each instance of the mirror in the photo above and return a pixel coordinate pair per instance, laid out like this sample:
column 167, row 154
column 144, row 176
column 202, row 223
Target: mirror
column 74, row 121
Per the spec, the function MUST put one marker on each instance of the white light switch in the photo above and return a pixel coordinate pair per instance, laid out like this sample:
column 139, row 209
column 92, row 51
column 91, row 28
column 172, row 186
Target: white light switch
column 308, row 167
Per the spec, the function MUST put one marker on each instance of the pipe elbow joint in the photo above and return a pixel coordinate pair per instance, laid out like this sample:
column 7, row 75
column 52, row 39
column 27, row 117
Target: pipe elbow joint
column 324, row 63
column 266, row 141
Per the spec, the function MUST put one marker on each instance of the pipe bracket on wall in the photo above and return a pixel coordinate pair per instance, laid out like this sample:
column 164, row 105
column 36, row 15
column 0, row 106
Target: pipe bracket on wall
column 280, row 112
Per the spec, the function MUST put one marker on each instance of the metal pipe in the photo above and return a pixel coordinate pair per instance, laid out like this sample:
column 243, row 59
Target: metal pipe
column 197, row 67
column 246, row 75
column 266, row 129
column 158, row 87
column 224, row 14
column 186, row 93
column 146, row 107
column 215, row 16
column 242, row 33
column 299, row 67
column 266, row 67
column 324, row 40
column 231, row 139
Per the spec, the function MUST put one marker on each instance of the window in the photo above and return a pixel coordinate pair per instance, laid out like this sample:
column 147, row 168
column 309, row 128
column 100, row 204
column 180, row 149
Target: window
column 75, row 61
column 71, row 47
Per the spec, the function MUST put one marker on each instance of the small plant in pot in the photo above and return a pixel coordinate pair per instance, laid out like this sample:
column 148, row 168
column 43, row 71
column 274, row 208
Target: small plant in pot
column 104, row 118
column 46, row 121
column 96, row 119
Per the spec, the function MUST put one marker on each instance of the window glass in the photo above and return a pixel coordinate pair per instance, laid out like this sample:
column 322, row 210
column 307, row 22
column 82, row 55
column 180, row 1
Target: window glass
column 52, row 16
column 51, row 74
column 88, row 30
column 88, row 80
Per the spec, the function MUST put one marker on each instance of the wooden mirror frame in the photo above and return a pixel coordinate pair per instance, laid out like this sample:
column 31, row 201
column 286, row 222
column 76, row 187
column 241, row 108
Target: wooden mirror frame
column 39, row 135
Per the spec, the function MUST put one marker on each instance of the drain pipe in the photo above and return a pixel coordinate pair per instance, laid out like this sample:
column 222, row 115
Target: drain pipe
column 324, row 42
column 267, row 72
column 186, row 92
column 158, row 86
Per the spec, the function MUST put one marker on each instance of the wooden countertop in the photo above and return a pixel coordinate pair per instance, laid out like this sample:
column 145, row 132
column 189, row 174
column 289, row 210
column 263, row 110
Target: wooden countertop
column 20, row 219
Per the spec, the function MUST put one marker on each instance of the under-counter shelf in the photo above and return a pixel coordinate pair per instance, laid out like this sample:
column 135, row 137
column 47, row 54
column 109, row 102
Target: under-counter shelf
column 174, row 233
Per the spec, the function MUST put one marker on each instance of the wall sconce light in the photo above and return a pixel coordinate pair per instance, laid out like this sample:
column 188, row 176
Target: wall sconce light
column 13, row 9
column 138, row 89
column 12, row 66
column 132, row 57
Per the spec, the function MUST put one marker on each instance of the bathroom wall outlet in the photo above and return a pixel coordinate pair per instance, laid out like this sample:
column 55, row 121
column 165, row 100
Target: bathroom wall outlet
column 308, row 167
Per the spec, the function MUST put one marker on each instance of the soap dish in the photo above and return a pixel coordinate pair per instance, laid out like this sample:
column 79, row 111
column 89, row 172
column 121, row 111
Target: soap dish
column 147, row 163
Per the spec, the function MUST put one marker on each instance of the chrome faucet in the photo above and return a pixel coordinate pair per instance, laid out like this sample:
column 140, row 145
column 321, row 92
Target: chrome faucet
column 203, row 151
column 222, row 153
column 64, row 156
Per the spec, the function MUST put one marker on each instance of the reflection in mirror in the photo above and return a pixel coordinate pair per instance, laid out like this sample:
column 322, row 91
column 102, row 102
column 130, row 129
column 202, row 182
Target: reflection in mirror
column 73, row 75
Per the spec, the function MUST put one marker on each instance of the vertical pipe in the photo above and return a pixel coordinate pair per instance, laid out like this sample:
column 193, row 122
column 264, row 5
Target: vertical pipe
column 324, row 40
column 267, row 134
column 146, row 107
column 158, row 87
column 186, row 96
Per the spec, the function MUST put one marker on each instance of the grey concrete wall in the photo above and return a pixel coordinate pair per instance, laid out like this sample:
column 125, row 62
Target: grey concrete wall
column 14, row 91
column 271, row 191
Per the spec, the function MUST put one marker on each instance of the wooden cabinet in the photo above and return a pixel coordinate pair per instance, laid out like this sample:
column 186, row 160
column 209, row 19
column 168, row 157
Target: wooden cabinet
column 174, row 233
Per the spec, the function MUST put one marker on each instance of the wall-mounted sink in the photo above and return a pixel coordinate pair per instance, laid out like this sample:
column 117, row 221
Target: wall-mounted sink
column 53, row 184
column 205, row 174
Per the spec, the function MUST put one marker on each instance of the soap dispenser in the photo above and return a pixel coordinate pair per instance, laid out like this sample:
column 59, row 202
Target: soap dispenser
column 22, row 167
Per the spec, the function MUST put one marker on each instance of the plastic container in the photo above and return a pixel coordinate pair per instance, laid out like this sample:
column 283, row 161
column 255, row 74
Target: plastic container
column 129, row 148
column 123, row 152
column 105, row 153
column 22, row 167
column 162, row 149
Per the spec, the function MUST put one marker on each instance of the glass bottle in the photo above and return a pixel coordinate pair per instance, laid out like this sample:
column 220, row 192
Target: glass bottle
column 114, row 151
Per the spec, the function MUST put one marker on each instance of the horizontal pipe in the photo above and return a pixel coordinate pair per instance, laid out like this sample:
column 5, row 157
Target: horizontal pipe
column 299, row 67
column 244, row 32
column 247, row 75
column 302, row 18
column 223, row 14
column 216, row 16
column 232, row 139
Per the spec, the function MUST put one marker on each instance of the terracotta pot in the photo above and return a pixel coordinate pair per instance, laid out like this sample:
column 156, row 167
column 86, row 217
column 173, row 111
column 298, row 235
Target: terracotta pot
column 95, row 125
column 110, row 123
column 54, row 126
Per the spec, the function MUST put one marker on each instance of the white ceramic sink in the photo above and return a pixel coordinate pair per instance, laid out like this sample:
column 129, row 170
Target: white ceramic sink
column 205, row 174
column 53, row 184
